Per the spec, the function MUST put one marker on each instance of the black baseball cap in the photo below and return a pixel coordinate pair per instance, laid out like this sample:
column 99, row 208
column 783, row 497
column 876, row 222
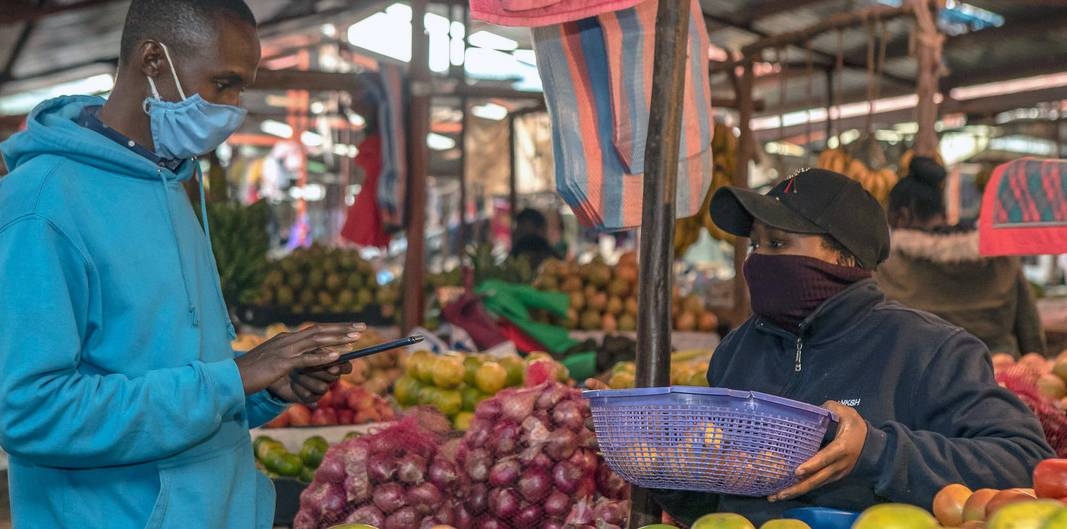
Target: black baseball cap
column 814, row 201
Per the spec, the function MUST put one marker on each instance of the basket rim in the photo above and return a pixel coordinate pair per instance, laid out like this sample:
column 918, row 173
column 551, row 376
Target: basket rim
column 703, row 391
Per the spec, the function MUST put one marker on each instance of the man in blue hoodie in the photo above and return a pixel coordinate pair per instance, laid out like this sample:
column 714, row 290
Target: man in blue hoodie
column 918, row 405
column 121, row 402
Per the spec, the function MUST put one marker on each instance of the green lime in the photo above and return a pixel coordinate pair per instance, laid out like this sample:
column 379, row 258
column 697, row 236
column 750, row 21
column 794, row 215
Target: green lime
column 313, row 450
column 470, row 366
column 284, row 463
column 471, row 397
column 267, row 447
column 406, row 390
column 307, row 475
column 449, row 402
column 462, row 421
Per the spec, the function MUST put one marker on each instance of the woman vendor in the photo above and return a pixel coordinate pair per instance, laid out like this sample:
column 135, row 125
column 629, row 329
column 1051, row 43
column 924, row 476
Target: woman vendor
column 917, row 401
column 937, row 268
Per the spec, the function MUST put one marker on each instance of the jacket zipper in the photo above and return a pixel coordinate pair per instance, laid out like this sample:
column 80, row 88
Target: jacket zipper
column 797, row 366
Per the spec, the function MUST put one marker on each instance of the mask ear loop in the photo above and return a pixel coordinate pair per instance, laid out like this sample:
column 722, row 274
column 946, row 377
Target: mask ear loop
column 155, row 94
column 173, row 72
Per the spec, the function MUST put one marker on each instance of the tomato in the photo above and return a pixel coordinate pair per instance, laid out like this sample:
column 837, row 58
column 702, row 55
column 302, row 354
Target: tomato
column 1050, row 478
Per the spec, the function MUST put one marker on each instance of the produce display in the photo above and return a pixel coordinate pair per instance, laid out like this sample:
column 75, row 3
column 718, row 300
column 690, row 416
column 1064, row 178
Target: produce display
column 1042, row 507
column 455, row 383
column 604, row 297
column 321, row 281
column 529, row 460
column 343, row 404
column 1042, row 385
column 275, row 461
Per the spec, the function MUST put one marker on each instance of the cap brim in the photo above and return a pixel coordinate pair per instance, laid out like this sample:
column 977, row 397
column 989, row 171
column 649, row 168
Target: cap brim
column 734, row 210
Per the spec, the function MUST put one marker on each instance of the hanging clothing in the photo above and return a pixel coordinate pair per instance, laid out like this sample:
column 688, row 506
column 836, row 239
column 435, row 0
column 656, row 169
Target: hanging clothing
column 392, row 186
column 597, row 74
column 534, row 13
column 1024, row 209
column 363, row 225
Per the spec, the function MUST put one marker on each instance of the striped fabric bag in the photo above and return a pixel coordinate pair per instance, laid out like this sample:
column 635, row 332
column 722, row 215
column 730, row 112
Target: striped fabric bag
column 597, row 75
column 1024, row 209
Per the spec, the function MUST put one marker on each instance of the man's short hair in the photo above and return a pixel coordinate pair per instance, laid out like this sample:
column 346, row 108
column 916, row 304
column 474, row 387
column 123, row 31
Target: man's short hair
column 183, row 25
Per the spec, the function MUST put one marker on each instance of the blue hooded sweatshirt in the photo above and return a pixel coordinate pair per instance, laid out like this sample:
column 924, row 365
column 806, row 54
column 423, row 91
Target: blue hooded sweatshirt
column 120, row 402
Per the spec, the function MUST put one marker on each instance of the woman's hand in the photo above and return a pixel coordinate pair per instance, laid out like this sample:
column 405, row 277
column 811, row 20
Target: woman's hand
column 836, row 460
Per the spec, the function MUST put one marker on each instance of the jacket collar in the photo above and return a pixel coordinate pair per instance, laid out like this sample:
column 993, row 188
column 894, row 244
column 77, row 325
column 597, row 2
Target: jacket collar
column 944, row 248
column 835, row 316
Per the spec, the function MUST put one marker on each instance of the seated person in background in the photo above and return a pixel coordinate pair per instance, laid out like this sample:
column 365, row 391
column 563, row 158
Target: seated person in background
column 531, row 239
column 917, row 402
column 937, row 268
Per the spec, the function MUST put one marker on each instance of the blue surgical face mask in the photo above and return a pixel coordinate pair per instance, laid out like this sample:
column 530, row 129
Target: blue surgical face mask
column 190, row 127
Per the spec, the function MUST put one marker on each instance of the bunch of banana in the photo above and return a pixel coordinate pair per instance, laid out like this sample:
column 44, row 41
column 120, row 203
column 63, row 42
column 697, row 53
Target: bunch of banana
column 240, row 241
column 687, row 230
column 686, row 233
column 877, row 182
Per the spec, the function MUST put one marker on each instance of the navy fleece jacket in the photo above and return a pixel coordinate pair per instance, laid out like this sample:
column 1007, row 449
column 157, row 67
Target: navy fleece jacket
column 935, row 414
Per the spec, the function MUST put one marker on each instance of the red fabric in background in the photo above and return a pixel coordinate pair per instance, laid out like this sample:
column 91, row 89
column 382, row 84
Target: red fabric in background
column 522, row 341
column 363, row 225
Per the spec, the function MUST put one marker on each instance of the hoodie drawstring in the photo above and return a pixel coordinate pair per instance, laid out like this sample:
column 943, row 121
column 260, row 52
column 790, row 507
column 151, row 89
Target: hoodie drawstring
column 194, row 315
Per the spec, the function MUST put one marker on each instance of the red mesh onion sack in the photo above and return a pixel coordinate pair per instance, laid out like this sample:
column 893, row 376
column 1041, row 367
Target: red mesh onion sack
column 529, row 460
column 397, row 478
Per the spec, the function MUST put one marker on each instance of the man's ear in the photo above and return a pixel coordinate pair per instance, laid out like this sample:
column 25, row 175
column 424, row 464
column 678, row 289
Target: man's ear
column 150, row 58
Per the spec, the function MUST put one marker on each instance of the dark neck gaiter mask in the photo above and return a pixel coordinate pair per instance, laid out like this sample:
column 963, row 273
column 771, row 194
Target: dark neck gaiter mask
column 785, row 289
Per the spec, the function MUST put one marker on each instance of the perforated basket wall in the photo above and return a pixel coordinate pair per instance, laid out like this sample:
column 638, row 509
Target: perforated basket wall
column 706, row 439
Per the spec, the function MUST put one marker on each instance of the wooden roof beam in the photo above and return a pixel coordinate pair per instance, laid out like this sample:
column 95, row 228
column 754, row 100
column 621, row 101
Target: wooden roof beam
column 826, row 58
column 23, row 13
column 770, row 9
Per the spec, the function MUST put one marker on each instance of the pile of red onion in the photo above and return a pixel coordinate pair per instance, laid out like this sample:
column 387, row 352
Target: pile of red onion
column 530, row 461
column 394, row 479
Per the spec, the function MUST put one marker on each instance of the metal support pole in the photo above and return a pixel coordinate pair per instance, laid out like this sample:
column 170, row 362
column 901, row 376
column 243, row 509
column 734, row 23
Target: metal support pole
column 657, row 216
column 418, row 159
column 513, row 176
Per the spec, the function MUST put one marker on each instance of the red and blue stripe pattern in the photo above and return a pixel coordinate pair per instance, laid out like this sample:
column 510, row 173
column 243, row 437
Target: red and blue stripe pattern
column 1024, row 209
column 597, row 74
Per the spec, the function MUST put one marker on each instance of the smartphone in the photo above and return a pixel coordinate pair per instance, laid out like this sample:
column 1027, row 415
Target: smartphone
column 374, row 349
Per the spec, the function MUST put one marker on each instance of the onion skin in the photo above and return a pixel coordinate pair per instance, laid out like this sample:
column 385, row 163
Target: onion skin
column 529, row 516
column 568, row 414
column 566, row 476
column 535, row 485
column 557, row 504
column 504, row 473
column 477, row 464
column 411, row 469
column 426, row 498
column 367, row 514
column 389, row 497
column 504, row 503
column 478, row 499
column 442, row 472
column 405, row 518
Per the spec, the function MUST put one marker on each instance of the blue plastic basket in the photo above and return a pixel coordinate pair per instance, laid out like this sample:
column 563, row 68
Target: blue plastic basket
column 706, row 439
